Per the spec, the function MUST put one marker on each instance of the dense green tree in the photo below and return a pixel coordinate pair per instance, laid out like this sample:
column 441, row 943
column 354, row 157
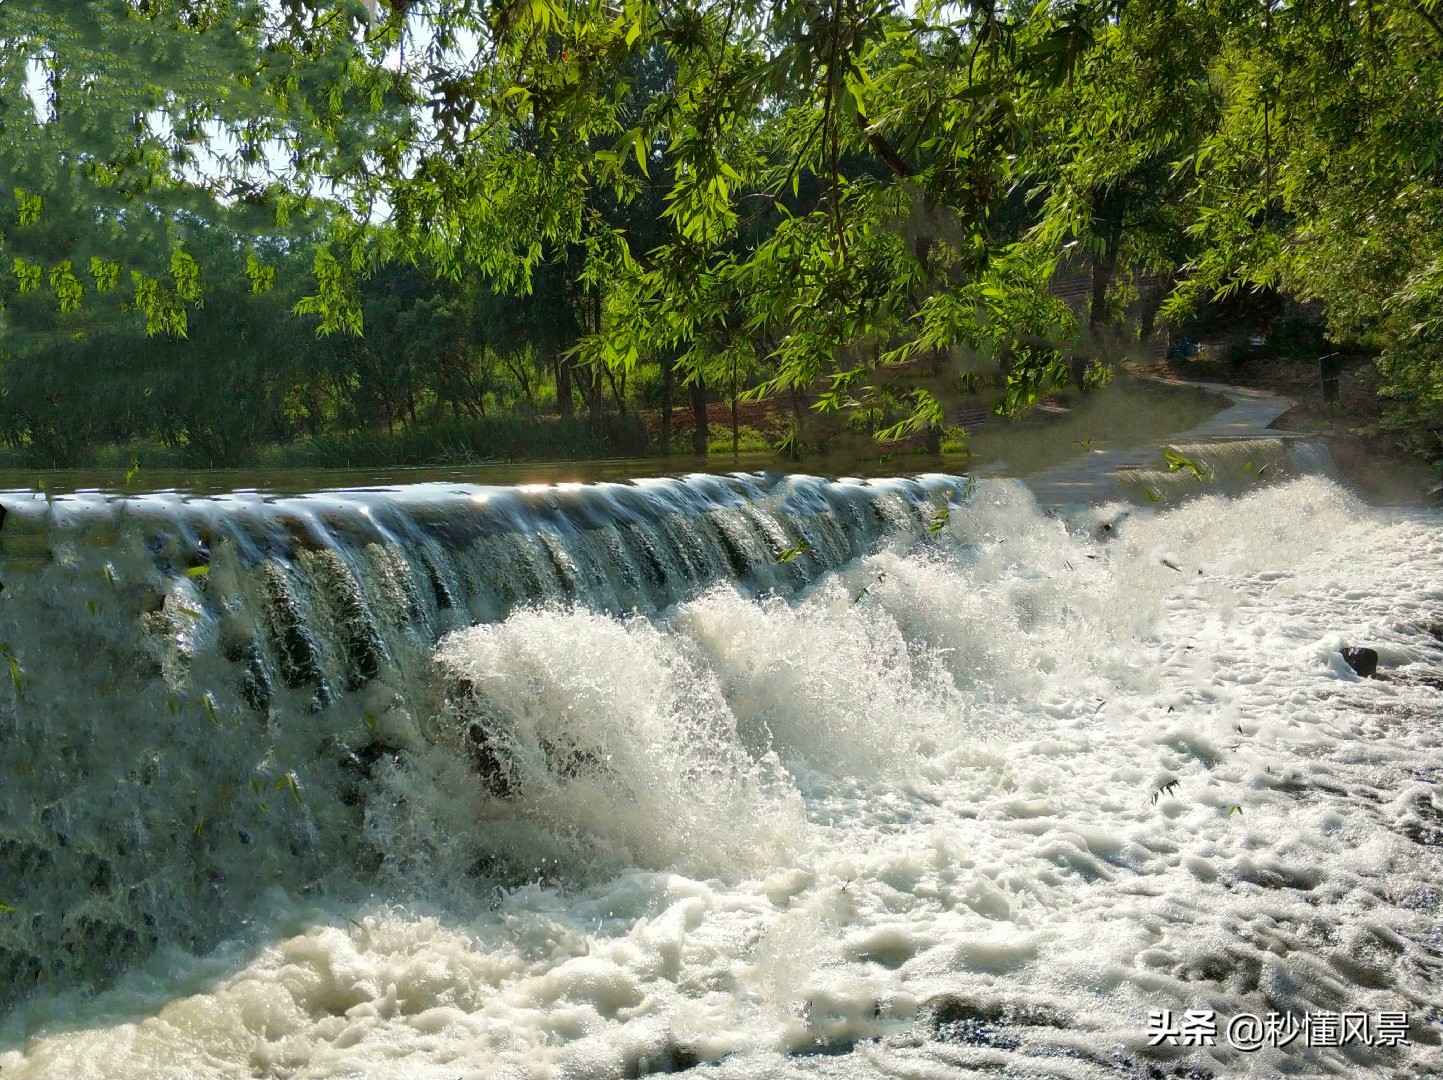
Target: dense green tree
column 849, row 201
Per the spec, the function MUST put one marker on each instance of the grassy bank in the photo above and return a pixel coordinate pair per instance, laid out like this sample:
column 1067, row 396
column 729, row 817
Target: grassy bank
column 438, row 443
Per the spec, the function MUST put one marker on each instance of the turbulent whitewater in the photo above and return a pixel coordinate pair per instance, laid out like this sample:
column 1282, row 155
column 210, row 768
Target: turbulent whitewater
column 752, row 776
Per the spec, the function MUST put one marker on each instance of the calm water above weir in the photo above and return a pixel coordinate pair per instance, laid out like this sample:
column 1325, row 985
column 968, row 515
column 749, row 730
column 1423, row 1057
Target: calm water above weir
column 755, row 775
column 1129, row 412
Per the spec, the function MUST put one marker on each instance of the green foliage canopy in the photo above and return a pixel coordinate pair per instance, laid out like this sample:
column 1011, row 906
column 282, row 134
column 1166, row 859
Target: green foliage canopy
column 856, row 198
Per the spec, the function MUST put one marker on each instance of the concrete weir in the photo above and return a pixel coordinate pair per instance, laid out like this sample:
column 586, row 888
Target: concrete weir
column 1231, row 449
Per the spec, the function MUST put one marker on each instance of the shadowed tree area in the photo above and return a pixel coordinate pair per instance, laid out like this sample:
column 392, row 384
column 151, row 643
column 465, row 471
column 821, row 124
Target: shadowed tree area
column 446, row 230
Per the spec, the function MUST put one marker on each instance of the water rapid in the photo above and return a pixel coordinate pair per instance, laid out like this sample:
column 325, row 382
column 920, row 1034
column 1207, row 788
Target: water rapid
column 206, row 694
column 751, row 776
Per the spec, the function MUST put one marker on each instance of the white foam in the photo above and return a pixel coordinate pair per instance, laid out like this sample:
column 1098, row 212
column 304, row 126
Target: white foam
column 807, row 824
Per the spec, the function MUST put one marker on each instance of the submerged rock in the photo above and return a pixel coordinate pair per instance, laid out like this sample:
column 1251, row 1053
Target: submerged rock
column 493, row 770
column 1362, row 660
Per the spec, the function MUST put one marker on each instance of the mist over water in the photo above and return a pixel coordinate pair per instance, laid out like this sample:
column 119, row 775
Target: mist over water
column 919, row 803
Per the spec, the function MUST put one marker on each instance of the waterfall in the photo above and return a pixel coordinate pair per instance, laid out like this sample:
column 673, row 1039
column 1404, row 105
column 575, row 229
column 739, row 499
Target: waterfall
column 284, row 793
column 202, row 692
column 1184, row 469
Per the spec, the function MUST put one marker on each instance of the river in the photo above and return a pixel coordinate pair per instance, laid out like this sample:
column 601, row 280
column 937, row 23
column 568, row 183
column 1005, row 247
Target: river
column 754, row 777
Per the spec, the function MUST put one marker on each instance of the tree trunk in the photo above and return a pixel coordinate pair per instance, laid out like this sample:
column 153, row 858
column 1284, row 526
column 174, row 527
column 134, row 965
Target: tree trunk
column 618, row 390
column 798, row 403
column 1103, row 269
column 591, row 389
column 516, row 364
column 563, row 387
column 666, row 381
column 736, row 437
column 699, row 432
column 1111, row 208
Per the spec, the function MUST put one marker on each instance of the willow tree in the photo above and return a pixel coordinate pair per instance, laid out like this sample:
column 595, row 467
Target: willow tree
column 124, row 123
column 857, row 198
column 1323, row 177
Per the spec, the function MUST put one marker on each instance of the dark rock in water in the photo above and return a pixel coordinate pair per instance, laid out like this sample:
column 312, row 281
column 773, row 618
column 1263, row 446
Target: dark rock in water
column 295, row 648
column 1362, row 660
column 569, row 760
column 487, row 763
column 361, row 764
column 669, row 1060
column 255, row 685
column 1109, row 530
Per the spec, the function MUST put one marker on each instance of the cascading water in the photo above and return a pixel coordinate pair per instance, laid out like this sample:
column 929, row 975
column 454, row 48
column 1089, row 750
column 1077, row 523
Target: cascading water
column 490, row 787
column 1184, row 469
column 203, row 690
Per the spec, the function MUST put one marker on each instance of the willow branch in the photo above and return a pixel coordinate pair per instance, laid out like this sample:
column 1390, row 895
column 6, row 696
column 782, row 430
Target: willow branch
column 1427, row 15
column 884, row 150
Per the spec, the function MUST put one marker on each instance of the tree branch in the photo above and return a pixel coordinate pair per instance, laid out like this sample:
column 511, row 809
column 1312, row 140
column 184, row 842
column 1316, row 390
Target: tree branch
column 1431, row 19
column 884, row 150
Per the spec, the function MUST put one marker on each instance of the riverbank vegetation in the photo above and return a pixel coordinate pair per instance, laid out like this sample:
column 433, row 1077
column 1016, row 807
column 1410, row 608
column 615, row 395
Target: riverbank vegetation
column 448, row 230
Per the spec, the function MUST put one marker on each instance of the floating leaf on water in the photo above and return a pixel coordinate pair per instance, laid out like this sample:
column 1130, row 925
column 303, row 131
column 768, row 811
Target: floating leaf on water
column 131, row 472
column 189, row 613
column 17, row 676
column 197, row 571
column 875, row 581
column 289, row 781
column 108, row 573
column 1172, row 565
column 208, row 704
column 6, row 909
column 1176, row 461
column 792, row 552
column 1153, row 495
column 1248, row 465
column 1167, row 789
column 939, row 520
column 1234, row 810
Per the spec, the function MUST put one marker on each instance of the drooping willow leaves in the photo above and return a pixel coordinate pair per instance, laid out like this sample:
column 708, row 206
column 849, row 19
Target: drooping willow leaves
column 856, row 201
